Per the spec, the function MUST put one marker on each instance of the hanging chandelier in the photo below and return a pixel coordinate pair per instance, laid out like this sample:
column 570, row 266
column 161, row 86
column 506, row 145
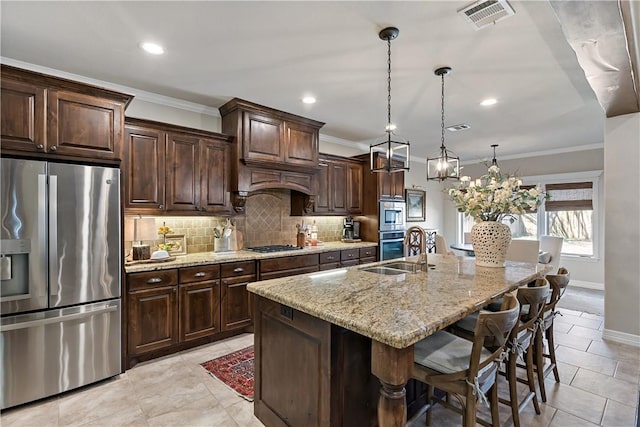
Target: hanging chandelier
column 389, row 153
column 494, row 162
column 445, row 165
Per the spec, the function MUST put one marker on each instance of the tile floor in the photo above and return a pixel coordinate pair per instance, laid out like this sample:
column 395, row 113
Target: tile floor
column 599, row 387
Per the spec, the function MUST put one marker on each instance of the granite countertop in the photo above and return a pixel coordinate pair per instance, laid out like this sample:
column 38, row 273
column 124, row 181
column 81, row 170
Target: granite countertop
column 203, row 258
column 398, row 310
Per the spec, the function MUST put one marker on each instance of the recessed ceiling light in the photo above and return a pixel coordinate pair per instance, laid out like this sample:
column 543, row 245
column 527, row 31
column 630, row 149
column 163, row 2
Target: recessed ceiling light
column 152, row 48
column 488, row 101
column 309, row 100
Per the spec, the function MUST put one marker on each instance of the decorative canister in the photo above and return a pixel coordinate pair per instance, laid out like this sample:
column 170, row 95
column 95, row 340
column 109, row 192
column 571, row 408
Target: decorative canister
column 490, row 241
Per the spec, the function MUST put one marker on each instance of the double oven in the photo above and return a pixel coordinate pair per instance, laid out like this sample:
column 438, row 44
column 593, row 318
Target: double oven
column 391, row 223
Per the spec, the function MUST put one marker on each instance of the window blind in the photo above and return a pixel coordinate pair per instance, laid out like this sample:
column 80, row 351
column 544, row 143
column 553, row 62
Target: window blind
column 572, row 196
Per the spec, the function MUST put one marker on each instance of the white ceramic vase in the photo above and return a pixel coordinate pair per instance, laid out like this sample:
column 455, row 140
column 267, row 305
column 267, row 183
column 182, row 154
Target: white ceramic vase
column 490, row 241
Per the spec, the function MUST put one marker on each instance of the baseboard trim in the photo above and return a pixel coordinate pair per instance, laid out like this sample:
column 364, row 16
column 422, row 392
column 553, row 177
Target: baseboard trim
column 587, row 285
column 621, row 337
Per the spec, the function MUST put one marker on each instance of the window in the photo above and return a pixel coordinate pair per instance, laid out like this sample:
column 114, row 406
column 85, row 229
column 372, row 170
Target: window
column 569, row 213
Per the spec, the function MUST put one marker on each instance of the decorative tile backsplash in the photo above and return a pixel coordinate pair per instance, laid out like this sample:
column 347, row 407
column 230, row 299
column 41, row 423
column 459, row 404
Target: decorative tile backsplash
column 267, row 222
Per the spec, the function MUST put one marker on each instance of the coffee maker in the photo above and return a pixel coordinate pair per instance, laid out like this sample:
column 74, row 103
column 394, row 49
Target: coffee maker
column 347, row 229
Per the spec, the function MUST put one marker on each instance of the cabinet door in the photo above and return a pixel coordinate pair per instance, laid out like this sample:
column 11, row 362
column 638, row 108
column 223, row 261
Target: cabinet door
column 183, row 173
column 215, row 173
column 354, row 188
column 199, row 310
column 263, row 138
column 321, row 204
column 152, row 319
column 397, row 185
column 236, row 302
column 22, row 123
column 84, row 125
column 301, row 145
column 144, row 169
column 338, row 186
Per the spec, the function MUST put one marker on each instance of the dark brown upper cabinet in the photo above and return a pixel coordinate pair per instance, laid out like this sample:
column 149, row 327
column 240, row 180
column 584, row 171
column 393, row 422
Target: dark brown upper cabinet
column 46, row 116
column 273, row 149
column 176, row 170
column 339, row 188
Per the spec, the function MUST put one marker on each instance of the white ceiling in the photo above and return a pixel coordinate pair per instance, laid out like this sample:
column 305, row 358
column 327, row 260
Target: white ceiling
column 273, row 53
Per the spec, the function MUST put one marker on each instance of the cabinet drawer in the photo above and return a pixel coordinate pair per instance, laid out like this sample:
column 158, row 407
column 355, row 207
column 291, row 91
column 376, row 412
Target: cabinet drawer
column 348, row 254
column 287, row 273
column 152, row 279
column 288, row 263
column 367, row 252
column 238, row 269
column 327, row 257
column 199, row 273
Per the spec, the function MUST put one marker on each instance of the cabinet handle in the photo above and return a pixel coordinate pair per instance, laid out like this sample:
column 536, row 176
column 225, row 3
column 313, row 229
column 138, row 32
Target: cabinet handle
column 330, row 258
column 238, row 270
column 154, row 280
column 224, row 282
column 349, row 255
column 40, row 147
column 160, row 206
column 200, row 274
column 53, row 148
column 322, row 164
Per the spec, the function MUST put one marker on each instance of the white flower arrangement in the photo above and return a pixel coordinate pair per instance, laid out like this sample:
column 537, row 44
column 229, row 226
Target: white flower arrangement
column 495, row 197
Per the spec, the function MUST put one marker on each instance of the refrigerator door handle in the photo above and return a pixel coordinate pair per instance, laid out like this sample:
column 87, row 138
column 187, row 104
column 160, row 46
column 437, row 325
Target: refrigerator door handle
column 53, row 235
column 42, row 210
column 57, row 319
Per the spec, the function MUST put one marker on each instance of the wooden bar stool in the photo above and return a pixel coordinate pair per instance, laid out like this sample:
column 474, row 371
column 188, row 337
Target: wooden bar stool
column 466, row 369
column 558, row 283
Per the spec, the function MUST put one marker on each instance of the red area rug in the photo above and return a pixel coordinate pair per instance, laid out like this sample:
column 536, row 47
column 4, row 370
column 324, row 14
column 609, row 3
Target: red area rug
column 235, row 370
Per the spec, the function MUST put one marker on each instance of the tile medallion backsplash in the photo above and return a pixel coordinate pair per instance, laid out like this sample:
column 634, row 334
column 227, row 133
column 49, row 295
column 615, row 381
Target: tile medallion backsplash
column 266, row 222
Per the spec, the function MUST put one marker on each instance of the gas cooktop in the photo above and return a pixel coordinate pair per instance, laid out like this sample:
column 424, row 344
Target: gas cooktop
column 273, row 248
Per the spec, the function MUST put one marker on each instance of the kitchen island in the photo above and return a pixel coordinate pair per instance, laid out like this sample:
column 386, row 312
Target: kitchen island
column 326, row 342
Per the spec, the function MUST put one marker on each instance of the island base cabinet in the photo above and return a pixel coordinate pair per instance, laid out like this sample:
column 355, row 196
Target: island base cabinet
column 312, row 373
column 292, row 366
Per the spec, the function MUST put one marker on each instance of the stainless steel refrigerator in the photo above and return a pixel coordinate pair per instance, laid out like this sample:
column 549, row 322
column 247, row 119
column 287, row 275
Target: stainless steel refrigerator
column 60, row 278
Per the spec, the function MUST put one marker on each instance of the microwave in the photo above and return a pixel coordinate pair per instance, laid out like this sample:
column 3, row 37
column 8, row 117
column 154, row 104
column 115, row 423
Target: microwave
column 392, row 215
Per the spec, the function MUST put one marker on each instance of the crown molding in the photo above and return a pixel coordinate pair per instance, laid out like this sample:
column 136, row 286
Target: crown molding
column 139, row 94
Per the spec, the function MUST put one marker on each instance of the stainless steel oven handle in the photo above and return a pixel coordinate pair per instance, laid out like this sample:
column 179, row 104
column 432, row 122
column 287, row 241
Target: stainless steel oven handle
column 58, row 319
column 53, row 235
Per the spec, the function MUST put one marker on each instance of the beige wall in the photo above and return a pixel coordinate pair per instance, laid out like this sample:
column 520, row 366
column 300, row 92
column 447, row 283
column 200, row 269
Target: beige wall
column 622, row 242
column 162, row 113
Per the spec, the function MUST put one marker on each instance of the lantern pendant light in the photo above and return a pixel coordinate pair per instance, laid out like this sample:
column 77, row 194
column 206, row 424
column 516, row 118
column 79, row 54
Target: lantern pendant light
column 494, row 162
column 446, row 165
column 390, row 153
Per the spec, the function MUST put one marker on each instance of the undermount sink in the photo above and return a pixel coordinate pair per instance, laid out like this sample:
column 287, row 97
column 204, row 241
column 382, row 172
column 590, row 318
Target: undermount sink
column 399, row 267
column 383, row 270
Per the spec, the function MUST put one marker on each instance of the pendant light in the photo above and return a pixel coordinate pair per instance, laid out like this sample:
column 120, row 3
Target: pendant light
column 445, row 165
column 494, row 162
column 389, row 153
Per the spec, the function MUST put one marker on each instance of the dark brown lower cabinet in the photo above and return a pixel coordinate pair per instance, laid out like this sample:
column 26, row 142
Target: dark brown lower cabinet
column 199, row 310
column 236, row 301
column 153, row 319
column 312, row 373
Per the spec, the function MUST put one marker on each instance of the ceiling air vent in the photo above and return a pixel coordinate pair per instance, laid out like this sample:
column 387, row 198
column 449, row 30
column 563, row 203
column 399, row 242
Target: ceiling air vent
column 483, row 13
column 461, row 126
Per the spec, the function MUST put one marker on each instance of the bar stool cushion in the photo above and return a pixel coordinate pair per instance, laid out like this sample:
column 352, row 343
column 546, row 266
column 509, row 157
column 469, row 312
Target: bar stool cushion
column 446, row 353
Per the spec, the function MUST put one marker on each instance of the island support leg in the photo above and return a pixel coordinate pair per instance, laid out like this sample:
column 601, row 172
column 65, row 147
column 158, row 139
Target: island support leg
column 392, row 366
